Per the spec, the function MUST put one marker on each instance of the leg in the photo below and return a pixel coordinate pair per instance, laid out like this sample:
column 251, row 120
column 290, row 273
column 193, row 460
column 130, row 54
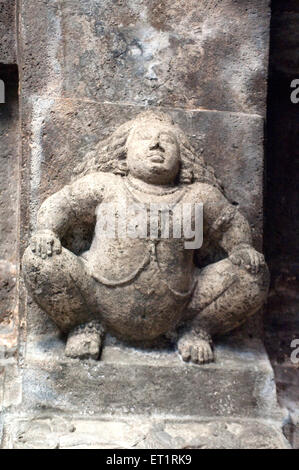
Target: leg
column 61, row 286
column 226, row 295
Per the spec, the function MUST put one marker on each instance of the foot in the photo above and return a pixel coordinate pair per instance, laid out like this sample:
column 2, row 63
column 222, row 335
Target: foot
column 196, row 346
column 85, row 341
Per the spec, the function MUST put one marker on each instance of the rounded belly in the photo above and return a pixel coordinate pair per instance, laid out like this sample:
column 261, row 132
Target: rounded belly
column 141, row 310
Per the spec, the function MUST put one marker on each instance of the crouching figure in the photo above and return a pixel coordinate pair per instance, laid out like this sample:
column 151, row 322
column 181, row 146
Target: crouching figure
column 141, row 282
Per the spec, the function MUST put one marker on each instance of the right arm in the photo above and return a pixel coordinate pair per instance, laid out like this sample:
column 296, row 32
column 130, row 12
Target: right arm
column 76, row 201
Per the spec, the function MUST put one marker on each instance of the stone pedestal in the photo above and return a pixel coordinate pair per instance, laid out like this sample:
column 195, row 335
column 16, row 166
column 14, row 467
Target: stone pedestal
column 145, row 399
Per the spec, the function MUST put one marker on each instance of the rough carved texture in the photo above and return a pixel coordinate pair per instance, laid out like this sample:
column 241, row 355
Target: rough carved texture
column 9, row 176
column 62, row 44
column 144, row 287
column 8, row 32
column 150, row 52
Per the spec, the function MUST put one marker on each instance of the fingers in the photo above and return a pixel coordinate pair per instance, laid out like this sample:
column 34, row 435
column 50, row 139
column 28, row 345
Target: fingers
column 235, row 259
column 194, row 354
column 33, row 244
column 255, row 263
column 250, row 259
column 49, row 247
column 205, row 354
column 57, row 246
column 45, row 245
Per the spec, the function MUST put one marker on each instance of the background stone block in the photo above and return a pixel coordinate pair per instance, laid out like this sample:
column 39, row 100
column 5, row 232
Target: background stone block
column 9, row 182
column 7, row 31
column 189, row 54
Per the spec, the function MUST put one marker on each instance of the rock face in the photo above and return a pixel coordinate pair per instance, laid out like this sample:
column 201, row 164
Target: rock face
column 172, row 53
column 8, row 32
column 9, row 181
column 85, row 69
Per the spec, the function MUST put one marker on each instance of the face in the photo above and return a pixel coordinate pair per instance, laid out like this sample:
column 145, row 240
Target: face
column 153, row 153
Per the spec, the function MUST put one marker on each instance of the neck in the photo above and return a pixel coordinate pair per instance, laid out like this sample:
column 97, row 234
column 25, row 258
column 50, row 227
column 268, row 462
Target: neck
column 150, row 187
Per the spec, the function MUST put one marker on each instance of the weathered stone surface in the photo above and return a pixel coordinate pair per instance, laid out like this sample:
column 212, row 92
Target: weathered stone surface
column 75, row 422
column 7, row 32
column 128, row 381
column 139, row 53
column 9, row 178
column 12, row 384
column 172, row 53
column 41, row 42
column 53, row 432
column 1, row 402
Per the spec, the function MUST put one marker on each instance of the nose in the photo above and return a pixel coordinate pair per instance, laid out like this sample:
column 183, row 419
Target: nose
column 156, row 144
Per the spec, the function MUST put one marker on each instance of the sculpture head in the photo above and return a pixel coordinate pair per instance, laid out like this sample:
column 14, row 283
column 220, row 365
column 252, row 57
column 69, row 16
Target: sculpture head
column 150, row 147
column 153, row 152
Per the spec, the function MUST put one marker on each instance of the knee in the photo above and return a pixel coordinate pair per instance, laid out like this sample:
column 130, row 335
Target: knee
column 30, row 261
column 255, row 285
column 37, row 270
column 33, row 263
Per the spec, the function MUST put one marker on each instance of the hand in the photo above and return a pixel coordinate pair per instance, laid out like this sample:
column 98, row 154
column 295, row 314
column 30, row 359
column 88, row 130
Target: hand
column 249, row 258
column 45, row 243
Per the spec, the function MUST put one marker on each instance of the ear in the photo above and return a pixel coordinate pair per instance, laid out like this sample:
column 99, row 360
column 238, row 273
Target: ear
column 122, row 167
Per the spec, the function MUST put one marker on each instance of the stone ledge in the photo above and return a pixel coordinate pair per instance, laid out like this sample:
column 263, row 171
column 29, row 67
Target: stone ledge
column 156, row 383
column 52, row 431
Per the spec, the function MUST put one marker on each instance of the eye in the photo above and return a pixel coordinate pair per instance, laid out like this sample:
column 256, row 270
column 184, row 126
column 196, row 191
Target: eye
column 167, row 138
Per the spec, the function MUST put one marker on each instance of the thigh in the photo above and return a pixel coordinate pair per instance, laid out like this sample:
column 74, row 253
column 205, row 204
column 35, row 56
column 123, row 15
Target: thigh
column 211, row 283
column 61, row 286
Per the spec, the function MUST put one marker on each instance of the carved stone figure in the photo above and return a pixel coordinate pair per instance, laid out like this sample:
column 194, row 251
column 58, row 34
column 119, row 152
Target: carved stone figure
column 141, row 289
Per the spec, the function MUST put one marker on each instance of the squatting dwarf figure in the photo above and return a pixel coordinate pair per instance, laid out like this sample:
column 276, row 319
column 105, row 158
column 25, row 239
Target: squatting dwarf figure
column 140, row 289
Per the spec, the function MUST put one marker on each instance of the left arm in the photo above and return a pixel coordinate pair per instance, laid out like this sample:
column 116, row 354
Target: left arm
column 230, row 229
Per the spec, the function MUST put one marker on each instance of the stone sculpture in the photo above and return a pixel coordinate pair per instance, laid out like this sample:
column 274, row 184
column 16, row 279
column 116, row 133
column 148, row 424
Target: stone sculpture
column 142, row 288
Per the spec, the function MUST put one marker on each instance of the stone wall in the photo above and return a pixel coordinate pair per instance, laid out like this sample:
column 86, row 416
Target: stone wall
column 9, row 178
column 9, row 183
column 8, row 26
column 89, row 66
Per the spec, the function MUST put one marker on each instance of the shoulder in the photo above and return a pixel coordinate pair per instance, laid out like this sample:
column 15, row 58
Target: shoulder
column 94, row 181
column 204, row 192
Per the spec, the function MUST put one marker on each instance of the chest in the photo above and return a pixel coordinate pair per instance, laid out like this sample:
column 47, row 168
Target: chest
column 125, row 218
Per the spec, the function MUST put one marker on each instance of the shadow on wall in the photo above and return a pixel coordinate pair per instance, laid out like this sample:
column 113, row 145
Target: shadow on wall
column 281, row 206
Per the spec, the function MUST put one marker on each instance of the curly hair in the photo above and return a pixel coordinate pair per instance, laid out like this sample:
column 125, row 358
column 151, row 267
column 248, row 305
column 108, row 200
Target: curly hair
column 110, row 154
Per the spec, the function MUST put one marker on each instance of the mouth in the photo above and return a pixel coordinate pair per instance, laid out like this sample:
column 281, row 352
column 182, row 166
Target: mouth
column 156, row 158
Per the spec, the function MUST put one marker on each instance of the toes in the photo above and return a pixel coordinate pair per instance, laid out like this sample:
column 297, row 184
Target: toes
column 185, row 352
column 206, row 354
column 194, row 354
column 198, row 352
column 209, row 356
